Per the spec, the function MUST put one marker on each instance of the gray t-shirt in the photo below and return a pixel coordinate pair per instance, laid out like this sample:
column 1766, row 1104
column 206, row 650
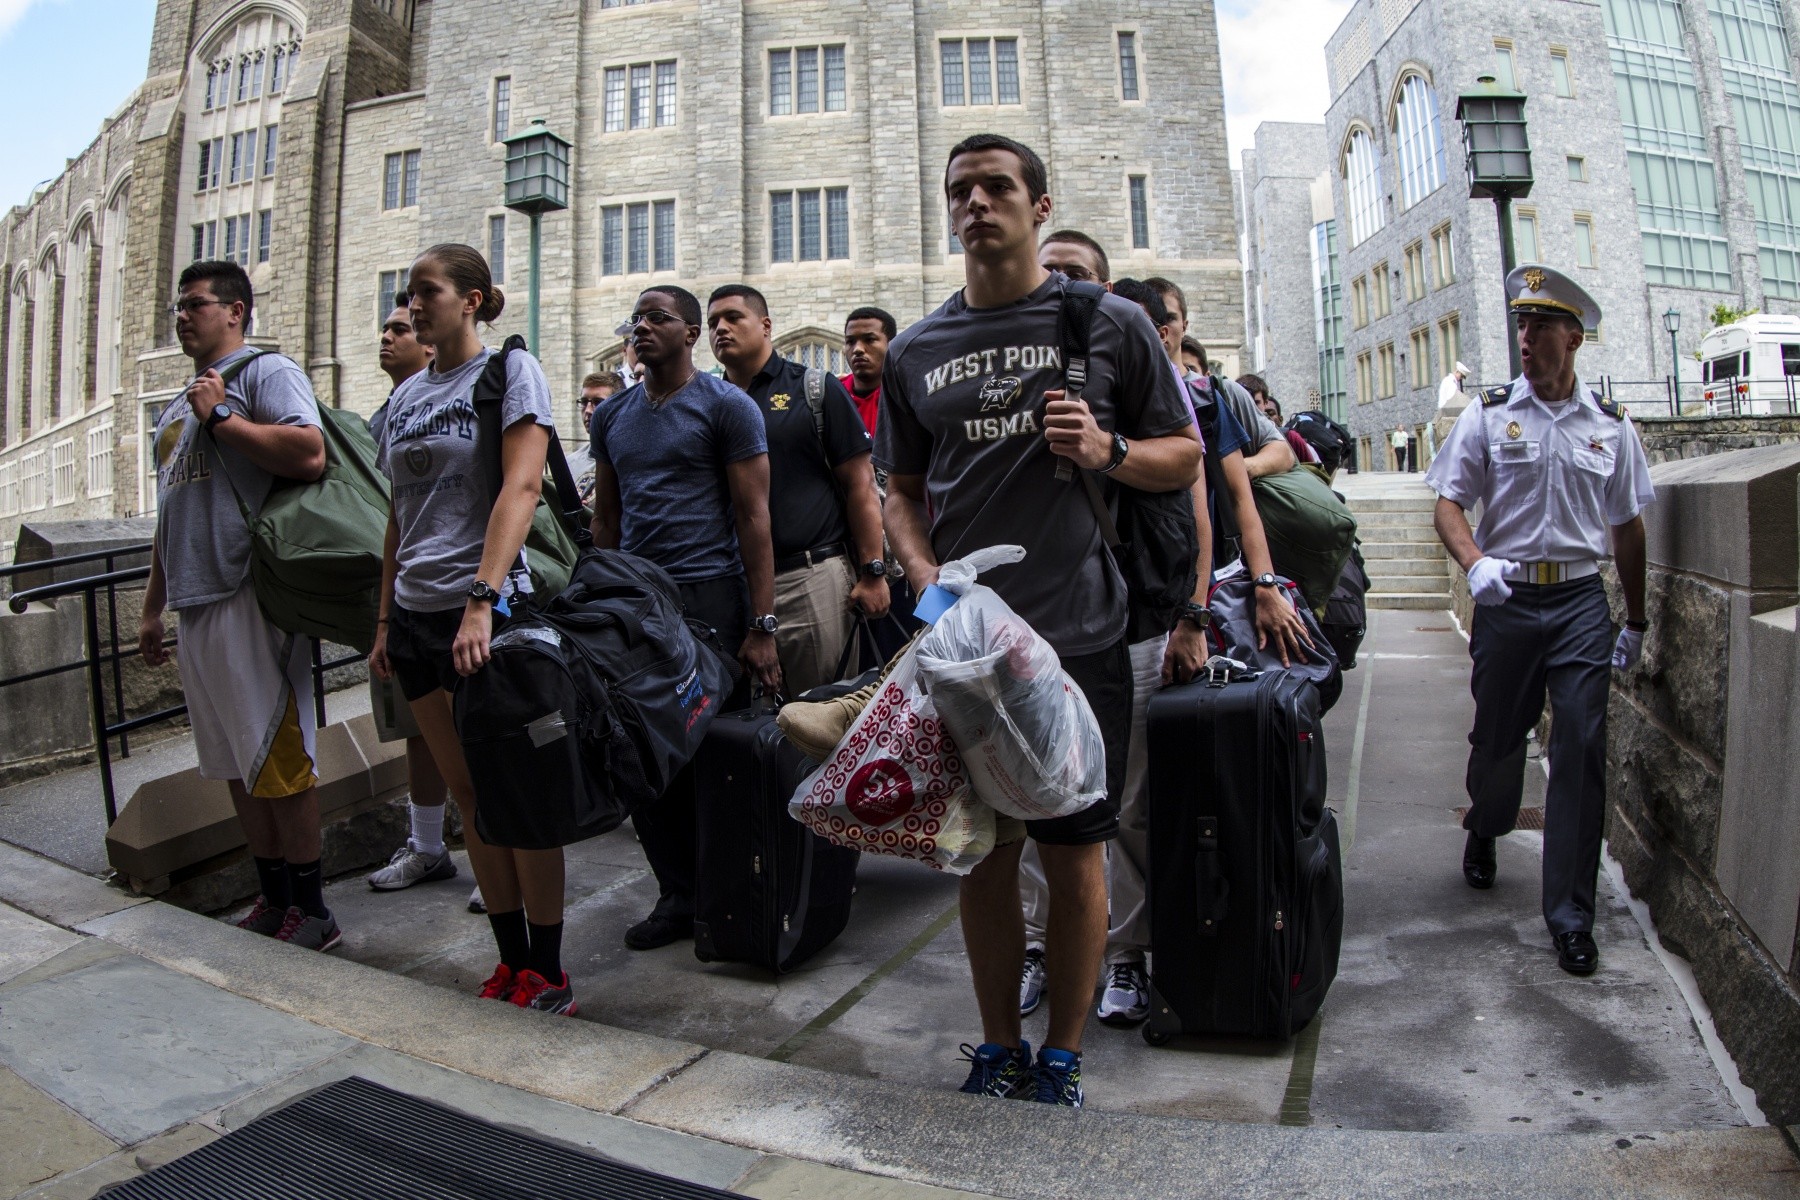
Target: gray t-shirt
column 675, row 501
column 962, row 403
column 201, row 539
column 1262, row 431
column 429, row 448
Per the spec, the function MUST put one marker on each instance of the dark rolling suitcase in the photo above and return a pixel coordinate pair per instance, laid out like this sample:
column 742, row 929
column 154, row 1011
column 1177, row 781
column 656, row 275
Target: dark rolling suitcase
column 1246, row 882
column 768, row 891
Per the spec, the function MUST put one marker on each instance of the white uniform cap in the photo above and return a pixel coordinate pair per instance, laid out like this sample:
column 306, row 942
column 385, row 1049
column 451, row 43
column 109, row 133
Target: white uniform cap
column 1535, row 288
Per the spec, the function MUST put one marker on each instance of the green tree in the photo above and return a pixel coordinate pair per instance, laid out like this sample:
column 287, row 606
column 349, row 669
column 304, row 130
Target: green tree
column 1724, row 314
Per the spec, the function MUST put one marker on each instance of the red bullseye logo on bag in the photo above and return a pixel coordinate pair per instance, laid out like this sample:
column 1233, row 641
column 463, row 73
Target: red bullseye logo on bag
column 879, row 792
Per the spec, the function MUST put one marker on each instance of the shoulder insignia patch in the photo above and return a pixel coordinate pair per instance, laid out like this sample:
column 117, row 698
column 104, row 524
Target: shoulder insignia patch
column 1495, row 395
column 1609, row 407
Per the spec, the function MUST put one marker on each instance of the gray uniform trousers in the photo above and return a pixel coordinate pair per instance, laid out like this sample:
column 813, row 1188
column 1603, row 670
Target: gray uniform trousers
column 1554, row 638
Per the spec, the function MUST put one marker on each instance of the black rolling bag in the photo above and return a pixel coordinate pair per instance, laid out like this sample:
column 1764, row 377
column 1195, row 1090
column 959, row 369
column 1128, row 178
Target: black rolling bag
column 768, row 891
column 1246, row 883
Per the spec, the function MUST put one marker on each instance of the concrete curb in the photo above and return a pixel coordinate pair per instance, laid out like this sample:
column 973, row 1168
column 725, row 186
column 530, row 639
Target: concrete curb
column 885, row 1129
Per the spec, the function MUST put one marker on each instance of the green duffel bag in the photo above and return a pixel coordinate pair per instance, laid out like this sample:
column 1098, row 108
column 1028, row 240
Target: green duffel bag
column 1310, row 530
column 316, row 547
column 550, row 552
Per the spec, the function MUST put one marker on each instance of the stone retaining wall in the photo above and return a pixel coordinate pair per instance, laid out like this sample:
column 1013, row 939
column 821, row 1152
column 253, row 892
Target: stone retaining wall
column 1668, row 438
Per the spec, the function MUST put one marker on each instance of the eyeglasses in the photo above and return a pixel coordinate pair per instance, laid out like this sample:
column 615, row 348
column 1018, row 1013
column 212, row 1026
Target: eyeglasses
column 195, row 304
column 1077, row 274
column 655, row 316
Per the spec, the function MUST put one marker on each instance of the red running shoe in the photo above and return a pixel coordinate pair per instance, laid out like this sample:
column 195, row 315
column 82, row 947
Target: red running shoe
column 499, row 985
column 534, row 991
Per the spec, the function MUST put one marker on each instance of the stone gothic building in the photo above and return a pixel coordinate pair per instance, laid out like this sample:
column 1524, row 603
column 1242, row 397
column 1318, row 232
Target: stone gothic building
column 798, row 147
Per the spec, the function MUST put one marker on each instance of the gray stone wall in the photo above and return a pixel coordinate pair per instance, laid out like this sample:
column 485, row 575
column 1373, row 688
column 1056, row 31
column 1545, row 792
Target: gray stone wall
column 1278, row 303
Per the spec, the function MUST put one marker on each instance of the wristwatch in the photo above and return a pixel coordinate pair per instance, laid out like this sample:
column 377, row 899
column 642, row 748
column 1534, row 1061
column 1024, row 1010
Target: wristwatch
column 220, row 412
column 479, row 590
column 1197, row 615
column 1121, row 448
column 767, row 624
column 875, row 568
column 1267, row 579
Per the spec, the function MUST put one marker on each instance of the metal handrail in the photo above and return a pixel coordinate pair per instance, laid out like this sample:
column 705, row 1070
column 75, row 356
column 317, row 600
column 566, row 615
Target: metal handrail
column 70, row 560
column 94, row 659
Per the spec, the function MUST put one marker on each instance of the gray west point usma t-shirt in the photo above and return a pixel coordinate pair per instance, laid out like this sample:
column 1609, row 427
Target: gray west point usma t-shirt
column 201, row 539
column 962, row 403
column 429, row 448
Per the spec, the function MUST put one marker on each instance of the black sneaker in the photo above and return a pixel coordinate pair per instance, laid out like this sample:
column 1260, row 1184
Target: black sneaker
column 658, row 930
column 1058, row 1078
column 995, row 1070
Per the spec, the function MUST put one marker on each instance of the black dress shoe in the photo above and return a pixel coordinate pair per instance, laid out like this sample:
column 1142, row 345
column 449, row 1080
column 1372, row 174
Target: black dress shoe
column 658, row 929
column 1576, row 952
column 1478, row 861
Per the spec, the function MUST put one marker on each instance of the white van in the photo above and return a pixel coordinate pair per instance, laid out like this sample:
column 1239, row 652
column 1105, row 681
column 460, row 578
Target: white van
column 1752, row 366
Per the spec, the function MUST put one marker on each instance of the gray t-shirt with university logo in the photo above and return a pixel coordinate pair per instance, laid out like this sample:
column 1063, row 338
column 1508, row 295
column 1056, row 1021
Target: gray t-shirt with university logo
column 429, row 449
column 962, row 403
column 201, row 539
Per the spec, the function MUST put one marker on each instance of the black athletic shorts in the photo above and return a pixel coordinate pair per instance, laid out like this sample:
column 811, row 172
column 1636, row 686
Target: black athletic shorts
column 418, row 646
column 1105, row 679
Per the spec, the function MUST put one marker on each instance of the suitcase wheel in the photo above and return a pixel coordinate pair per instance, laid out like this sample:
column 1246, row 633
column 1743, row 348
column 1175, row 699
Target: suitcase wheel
column 1155, row 1036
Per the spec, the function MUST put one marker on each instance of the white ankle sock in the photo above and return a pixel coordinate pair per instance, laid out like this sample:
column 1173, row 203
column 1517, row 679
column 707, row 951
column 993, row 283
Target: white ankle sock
column 427, row 828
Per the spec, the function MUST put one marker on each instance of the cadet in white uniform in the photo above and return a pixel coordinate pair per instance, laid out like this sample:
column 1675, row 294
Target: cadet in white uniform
column 1557, row 469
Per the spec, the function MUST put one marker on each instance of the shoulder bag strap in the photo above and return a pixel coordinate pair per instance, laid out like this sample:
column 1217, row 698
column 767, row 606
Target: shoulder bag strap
column 230, row 373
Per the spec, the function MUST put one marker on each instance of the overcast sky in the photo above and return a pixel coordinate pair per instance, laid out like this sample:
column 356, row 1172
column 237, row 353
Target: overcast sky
column 66, row 64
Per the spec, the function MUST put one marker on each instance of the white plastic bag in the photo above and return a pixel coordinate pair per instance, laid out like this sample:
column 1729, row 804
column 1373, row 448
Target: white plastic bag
column 1026, row 735
column 895, row 786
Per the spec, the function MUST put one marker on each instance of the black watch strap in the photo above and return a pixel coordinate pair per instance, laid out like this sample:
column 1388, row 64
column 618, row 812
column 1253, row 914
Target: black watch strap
column 1197, row 615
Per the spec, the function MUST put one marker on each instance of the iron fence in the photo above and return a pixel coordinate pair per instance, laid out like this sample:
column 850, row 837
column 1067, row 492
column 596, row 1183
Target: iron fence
column 97, row 662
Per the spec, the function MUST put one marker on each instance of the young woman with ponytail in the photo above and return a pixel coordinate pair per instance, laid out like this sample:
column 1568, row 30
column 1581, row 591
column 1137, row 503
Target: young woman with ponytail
column 453, row 552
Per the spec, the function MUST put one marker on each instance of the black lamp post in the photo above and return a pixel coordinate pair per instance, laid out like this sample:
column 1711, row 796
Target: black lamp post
column 1499, row 161
column 1672, row 323
column 537, row 182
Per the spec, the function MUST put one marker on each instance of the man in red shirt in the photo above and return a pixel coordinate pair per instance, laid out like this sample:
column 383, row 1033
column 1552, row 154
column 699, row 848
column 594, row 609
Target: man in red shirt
column 867, row 332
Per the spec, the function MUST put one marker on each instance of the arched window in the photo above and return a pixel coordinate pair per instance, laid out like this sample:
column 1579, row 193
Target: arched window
column 1420, row 144
column 236, row 80
column 18, row 359
column 46, row 344
column 109, row 320
column 814, row 348
column 78, row 319
column 1362, row 184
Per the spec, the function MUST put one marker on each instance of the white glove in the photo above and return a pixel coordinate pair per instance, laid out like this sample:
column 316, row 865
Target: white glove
column 1628, row 649
column 1487, row 583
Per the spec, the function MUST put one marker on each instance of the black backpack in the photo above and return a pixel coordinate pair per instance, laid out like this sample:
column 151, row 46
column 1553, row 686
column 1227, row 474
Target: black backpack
column 1331, row 440
column 1154, row 539
column 588, row 705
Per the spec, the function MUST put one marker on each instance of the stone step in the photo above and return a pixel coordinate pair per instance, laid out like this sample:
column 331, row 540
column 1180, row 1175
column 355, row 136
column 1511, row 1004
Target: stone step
column 1412, row 568
column 1386, row 582
column 1409, row 600
column 1374, row 552
column 1383, row 519
column 1425, row 501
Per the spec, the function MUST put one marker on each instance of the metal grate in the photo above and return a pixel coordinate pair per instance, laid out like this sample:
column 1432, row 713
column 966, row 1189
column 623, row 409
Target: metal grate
column 356, row 1139
column 1529, row 818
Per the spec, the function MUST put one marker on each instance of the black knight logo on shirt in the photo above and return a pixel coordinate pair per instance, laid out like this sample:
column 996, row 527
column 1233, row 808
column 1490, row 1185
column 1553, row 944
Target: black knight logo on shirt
column 998, row 394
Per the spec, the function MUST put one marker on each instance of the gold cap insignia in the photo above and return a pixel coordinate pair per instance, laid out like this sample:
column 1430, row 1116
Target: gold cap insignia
column 1514, row 430
column 779, row 402
column 1534, row 279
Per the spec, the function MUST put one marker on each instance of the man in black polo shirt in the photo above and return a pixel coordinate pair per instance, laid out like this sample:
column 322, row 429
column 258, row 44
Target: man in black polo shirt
column 823, row 510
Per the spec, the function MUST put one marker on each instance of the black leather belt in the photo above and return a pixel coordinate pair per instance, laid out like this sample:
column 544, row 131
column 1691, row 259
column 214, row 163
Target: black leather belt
column 809, row 558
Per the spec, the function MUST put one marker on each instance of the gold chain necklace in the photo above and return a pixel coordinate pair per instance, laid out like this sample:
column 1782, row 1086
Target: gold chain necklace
column 658, row 401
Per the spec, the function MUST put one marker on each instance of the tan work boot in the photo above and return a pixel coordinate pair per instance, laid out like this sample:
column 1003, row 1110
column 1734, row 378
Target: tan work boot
column 817, row 726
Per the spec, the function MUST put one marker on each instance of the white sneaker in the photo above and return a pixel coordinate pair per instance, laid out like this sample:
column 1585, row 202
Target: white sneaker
column 1126, row 1000
column 476, row 903
column 1031, row 982
column 412, row 865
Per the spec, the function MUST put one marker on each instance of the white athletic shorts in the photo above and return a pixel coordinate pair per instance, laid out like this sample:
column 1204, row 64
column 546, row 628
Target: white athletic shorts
column 249, row 696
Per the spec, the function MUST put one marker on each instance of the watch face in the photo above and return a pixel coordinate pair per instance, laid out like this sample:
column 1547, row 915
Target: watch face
column 875, row 568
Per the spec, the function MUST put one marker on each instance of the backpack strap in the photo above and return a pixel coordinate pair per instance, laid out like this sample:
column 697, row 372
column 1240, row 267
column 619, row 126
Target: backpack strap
column 489, row 400
column 1080, row 301
column 231, row 372
column 815, row 400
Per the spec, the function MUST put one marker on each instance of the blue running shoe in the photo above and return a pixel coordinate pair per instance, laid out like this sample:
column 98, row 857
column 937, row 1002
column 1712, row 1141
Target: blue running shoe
column 1058, row 1075
column 995, row 1070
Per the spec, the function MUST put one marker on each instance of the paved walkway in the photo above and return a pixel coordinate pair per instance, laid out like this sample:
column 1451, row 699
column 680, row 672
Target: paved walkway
column 1452, row 1057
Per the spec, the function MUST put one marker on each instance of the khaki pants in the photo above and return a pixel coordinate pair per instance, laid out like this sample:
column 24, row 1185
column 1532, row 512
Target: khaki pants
column 812, row 606
column 1128, row 855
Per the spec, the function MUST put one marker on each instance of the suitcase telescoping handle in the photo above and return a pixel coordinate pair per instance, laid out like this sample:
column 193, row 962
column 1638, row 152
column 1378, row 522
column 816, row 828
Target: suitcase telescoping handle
column 1211, row 888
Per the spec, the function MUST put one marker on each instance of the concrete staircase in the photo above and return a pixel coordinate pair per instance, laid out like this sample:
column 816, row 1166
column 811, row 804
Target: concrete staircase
column 1406, row 563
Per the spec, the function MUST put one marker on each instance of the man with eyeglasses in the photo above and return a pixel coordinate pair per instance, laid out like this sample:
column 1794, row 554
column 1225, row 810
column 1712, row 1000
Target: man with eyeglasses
column 248, row 684
column 681, row 477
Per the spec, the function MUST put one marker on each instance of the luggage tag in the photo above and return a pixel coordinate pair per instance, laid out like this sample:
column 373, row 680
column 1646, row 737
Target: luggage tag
column 933, row 603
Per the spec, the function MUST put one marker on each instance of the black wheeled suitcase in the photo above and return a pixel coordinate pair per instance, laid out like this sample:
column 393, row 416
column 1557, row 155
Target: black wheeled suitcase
column 1246, row 882
column 768, row 891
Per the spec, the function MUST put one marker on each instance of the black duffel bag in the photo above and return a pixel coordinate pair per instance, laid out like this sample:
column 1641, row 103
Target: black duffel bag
column 1233, row 633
